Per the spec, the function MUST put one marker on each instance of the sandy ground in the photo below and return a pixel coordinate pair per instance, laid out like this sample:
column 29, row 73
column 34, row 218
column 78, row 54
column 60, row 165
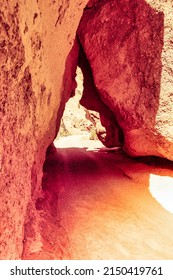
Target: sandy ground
column 104, row 205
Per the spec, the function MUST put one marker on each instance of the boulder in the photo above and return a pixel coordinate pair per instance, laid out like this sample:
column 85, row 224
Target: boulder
column 128, row 45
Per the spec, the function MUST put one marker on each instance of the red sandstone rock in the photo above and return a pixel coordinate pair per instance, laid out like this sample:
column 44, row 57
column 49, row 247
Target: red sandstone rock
column 35, row 40
column 129, row 48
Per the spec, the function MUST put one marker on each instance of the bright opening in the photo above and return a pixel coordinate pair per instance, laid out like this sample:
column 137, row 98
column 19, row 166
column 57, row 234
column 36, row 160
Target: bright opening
column 78, row 124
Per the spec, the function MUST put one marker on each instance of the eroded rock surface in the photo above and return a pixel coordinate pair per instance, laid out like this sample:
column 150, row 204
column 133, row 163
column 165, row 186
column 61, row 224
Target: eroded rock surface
column 35, row 42
column 128, row 45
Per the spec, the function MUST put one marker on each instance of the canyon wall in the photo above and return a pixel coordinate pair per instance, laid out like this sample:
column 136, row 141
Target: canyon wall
column 35, row 48
column 128, row 45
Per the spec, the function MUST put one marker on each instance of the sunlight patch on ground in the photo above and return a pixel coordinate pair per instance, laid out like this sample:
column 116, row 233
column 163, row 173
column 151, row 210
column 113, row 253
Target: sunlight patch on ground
column 77, row 141
column 161, row 188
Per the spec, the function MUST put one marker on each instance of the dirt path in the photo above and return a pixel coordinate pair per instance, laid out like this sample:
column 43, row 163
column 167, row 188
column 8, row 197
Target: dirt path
column 104, row 205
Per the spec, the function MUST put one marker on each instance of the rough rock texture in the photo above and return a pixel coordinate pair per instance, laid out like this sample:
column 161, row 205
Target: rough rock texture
column 128, row 45
column 108, row 132
column 35, row 40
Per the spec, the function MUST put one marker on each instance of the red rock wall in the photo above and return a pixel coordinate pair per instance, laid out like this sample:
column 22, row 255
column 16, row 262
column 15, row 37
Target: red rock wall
column 36, row 38
column 129, row 48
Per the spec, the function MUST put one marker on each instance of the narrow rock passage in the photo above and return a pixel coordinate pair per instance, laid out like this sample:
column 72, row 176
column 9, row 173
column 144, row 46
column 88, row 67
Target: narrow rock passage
column 105, row 207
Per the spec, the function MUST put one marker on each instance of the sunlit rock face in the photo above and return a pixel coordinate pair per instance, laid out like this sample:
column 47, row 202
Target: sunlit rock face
column 128, row 45
column 36, row 47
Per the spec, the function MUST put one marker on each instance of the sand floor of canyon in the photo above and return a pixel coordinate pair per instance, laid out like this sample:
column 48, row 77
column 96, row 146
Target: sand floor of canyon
column 109, row 205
